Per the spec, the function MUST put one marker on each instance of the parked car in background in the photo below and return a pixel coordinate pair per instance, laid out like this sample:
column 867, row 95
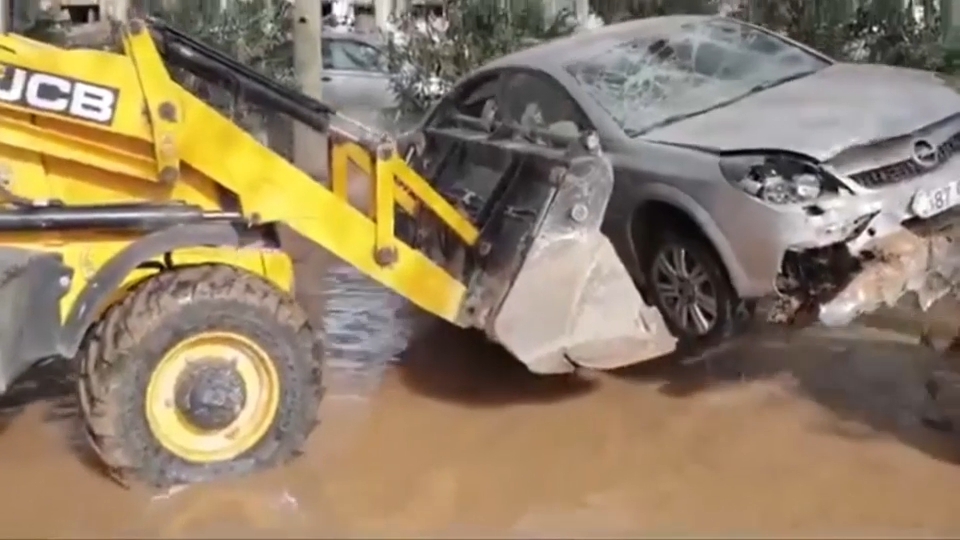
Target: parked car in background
column 356, row 77
column 746, row 164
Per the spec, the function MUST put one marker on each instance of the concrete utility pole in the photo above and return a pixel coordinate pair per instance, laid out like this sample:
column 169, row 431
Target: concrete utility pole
column 950, row 15
column 118, row 9
column 581, row 9
column 382, row 9
column 309, row 147
column 310, row 155
column 401, row 7
column 6, row 22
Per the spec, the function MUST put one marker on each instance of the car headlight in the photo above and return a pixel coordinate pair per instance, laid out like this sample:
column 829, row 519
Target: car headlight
column 778, row 179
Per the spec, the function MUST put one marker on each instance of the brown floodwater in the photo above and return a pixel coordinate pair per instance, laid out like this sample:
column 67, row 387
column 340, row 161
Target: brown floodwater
column 433, row 432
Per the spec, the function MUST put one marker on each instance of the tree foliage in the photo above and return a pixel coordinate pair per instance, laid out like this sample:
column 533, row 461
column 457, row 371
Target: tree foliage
column 258, row 33
column 425, row 57
column 881, row 31
column 423, row 54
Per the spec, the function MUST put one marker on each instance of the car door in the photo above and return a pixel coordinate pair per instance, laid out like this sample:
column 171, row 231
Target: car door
column 458, row 157
column 534, row 106
column 355, row 78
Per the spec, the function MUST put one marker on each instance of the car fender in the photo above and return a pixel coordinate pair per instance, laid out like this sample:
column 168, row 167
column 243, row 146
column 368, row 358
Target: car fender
column 656, row 192
column 95, row 295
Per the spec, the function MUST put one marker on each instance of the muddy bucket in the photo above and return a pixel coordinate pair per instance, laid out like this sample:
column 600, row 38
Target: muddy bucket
column 551, row 289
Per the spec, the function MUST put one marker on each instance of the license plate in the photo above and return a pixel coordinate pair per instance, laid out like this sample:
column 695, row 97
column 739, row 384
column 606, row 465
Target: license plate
column 933, row 201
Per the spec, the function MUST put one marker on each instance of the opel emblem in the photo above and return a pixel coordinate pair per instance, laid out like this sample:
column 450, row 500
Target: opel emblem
column 925, row 153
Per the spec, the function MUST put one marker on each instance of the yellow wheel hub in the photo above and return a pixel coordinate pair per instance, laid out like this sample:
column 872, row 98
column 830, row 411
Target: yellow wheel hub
column 212, row 397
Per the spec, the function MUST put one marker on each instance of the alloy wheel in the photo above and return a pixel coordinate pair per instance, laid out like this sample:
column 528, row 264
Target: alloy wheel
column 685, row 290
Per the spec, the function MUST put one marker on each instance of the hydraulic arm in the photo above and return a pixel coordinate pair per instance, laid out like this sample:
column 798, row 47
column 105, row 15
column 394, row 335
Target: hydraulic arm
column 292, row 197
column 189, row 139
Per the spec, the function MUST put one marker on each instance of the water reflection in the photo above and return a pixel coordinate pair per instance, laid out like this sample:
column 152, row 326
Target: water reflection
column 366, row 326
column 364, row 322
column 267, row 508
column 638, row 455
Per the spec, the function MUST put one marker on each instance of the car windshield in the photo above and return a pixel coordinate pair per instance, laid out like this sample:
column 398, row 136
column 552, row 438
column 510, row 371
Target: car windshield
column 685, row 69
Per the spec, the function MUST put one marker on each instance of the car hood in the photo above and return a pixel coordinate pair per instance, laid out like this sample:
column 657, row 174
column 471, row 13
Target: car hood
column 839, row 107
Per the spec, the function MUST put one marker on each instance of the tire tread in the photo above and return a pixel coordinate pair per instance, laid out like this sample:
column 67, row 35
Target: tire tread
column 106, row 353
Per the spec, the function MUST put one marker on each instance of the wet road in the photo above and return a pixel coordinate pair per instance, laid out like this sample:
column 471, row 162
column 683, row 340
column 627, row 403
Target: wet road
column 815, row 433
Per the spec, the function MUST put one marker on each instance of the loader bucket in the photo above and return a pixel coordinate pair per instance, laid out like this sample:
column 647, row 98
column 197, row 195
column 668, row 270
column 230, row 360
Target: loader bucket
column 552, row 289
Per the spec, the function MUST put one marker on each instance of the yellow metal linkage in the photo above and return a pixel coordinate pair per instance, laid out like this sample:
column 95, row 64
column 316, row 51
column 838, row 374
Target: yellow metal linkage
column 342, row 154
column 189, row 143
column 392, row 171
column 158, row 91
column 384, row 205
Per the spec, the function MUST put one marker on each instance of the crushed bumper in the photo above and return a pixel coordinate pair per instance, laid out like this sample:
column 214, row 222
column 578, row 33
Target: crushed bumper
column 922, row 258
column 857, row 254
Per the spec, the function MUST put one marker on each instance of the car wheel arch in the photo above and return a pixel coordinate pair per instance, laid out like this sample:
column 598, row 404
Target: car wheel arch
column 691, row 218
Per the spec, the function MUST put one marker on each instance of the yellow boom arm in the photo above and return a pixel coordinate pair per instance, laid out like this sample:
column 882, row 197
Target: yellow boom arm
column 119, row 127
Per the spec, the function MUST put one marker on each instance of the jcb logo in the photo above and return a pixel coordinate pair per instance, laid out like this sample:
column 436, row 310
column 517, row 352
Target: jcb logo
column 56, row 94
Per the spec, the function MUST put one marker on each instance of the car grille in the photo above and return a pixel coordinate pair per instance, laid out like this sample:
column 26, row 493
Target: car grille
column 907, row 169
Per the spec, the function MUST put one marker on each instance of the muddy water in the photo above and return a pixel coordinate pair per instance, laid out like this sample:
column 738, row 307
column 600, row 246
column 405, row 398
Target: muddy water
column 813, row 434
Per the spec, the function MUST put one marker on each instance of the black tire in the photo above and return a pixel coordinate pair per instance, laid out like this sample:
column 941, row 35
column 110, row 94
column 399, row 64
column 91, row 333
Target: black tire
column 123, row 348
column 732, row 314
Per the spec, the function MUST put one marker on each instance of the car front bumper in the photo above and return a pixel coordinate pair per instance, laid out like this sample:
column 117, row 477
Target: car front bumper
column 899, row 250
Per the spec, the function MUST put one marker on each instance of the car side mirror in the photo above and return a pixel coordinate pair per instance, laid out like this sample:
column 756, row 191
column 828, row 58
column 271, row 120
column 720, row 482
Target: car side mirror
column 564, row 129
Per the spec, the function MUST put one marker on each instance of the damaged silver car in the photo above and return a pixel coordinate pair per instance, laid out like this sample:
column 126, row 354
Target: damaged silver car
column 746, row 165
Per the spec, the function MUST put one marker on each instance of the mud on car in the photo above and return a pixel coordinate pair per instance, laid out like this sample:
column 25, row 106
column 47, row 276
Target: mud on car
column 746, row 165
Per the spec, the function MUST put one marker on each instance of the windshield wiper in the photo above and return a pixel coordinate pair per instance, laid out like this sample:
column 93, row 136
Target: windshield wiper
column 770, row 84
column 753, row 90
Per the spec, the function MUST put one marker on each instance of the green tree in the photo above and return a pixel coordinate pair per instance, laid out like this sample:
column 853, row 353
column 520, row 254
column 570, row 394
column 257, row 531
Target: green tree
column 476, row 32
column 258, row 33
column 880, row 31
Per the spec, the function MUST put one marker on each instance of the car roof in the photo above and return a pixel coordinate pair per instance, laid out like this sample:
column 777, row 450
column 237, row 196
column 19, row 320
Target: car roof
column 554, row 55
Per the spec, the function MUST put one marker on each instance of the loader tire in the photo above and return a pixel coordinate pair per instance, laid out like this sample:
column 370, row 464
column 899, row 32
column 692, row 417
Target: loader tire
column 157, row 415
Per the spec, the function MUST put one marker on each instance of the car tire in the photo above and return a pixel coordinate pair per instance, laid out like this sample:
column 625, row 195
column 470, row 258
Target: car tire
column 730, row 315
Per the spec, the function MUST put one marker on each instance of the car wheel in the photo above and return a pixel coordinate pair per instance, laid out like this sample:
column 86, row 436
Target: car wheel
column 687, row 282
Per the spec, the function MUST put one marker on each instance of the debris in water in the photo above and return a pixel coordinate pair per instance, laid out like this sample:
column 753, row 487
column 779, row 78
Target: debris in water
column 170, row 492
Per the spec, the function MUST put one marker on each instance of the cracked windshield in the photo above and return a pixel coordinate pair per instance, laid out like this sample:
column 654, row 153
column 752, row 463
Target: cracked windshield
column 460, row 268
column 665, row 72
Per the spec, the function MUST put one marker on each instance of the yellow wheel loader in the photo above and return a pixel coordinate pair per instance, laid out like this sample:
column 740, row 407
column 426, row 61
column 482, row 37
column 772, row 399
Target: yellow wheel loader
column 138, row 239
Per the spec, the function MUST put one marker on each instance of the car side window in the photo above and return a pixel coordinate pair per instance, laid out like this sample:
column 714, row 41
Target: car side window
column 537, row 101
column 350, row 55
column 471, row 101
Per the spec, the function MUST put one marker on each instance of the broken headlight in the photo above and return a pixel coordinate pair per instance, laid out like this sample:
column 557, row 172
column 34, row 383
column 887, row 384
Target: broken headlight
column 778, row 179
